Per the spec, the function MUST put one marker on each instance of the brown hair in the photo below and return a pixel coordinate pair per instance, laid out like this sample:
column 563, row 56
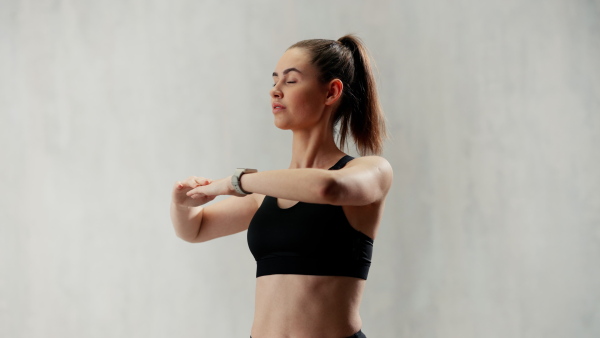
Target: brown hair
column 359, row 110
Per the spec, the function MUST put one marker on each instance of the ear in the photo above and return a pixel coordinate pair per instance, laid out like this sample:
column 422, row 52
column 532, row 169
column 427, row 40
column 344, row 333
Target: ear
column 334, row 91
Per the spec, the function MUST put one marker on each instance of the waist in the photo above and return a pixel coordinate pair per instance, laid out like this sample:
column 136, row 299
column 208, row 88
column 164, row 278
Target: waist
column 307, row 306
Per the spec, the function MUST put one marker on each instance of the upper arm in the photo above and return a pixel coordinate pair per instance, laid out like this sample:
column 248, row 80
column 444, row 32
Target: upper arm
column 362, row 181
column 227, row 217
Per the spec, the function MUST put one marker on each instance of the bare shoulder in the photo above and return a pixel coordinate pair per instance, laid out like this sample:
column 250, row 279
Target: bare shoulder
column 372, row 160
column 377, row 165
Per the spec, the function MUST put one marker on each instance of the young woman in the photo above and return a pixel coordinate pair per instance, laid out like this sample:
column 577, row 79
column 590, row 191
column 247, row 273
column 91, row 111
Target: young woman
column 311, row 226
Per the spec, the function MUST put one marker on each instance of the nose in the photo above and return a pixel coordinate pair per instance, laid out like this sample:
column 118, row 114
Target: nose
column 275, row 92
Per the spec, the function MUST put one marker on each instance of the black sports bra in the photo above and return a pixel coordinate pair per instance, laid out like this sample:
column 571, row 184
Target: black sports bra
column 308, row 239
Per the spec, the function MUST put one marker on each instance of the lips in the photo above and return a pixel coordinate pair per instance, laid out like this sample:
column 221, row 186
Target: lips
column 277, row 106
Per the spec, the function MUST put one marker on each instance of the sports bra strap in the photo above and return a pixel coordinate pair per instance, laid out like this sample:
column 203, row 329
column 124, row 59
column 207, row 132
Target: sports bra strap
column 342, row 162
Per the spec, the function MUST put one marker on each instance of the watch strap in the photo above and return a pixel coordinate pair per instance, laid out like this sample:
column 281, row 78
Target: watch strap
column 236, row 179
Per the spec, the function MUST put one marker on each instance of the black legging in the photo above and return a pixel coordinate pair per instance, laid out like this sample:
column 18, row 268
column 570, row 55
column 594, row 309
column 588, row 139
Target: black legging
column 358, row 334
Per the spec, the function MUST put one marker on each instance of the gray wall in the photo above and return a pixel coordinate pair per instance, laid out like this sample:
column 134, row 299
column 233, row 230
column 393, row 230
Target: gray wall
column 492, row 228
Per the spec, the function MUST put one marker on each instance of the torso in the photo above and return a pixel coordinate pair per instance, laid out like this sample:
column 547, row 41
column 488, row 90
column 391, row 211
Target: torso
column 299, row 306
column 304, row 306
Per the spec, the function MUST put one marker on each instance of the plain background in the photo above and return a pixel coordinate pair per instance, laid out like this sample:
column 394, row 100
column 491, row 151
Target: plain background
column 492, row 226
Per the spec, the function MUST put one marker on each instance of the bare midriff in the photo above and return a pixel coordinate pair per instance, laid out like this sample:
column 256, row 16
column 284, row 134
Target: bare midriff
column 300, row 306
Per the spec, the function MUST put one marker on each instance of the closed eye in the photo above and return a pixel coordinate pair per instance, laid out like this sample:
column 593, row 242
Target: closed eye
column 286, row 82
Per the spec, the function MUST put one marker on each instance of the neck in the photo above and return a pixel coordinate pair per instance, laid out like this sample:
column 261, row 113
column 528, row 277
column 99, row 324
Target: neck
column 314, row 148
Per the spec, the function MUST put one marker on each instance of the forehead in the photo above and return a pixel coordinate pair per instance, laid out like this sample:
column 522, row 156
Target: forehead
column 295, row 57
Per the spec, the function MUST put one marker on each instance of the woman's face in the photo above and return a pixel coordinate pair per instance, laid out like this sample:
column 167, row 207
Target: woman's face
column 297, row 97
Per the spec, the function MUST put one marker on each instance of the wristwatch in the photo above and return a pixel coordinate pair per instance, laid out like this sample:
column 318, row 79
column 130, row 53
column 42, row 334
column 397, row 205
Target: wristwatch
column 236, row 177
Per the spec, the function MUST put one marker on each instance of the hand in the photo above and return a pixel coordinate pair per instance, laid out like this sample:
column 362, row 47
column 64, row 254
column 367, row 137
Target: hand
column 215, row 188
column 181, row 188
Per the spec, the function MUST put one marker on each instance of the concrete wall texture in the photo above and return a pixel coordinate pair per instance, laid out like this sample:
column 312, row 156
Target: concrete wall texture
column 492, row 227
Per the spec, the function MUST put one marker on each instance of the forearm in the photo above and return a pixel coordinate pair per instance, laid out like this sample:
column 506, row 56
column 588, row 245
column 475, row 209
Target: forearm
column 361, row 183
column 307, row 185
column 186, row 221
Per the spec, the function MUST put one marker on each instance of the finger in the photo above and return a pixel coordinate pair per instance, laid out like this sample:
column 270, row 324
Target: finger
column 195, row 191
column 200, row 195
column 191, row 182
column 206, row 198
column 180, row 185
column 199, row 181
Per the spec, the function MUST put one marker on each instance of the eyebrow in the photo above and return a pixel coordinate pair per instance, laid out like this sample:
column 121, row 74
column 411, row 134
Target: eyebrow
column 287, row 71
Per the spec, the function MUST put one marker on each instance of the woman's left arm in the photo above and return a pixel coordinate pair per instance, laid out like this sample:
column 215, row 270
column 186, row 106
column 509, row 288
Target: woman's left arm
column 362, row 181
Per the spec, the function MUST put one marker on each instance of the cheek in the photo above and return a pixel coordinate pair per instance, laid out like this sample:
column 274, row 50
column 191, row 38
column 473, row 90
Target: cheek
column 308, row 102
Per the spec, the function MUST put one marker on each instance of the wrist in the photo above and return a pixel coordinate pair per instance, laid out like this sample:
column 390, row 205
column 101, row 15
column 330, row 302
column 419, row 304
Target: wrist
column 230, row 187
column 236, row 180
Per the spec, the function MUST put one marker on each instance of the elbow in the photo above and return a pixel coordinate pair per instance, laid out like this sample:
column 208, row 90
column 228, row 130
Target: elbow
column 330, row 190
column 185, row 237
column 190, row 237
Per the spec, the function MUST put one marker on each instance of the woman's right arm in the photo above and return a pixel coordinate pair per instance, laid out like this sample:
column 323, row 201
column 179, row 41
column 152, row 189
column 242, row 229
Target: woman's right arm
column 194, row 223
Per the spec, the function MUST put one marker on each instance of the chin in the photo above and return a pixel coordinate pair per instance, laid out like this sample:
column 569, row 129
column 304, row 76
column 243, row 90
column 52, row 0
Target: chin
column 281, row 125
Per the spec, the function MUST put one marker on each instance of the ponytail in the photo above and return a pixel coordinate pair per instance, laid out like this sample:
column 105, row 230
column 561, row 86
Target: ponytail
column 359, row 112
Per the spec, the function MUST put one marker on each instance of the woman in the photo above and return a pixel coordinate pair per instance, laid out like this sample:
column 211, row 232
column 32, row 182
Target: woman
column 310, row 227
